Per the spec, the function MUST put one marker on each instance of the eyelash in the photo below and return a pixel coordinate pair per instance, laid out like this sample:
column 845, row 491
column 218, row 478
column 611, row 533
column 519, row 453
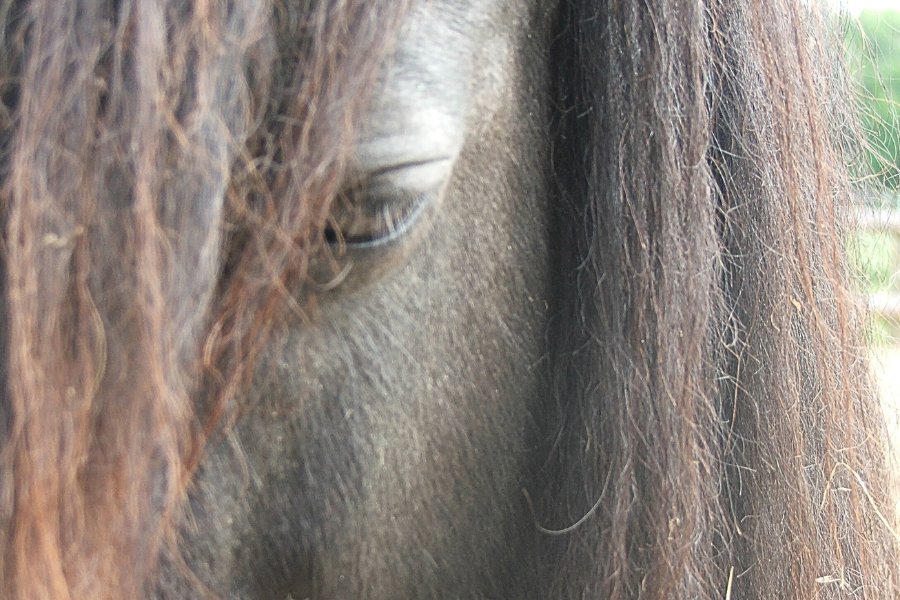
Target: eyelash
column 361, row 219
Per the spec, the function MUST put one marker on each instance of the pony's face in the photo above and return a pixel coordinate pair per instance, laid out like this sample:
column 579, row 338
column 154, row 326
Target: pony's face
column 385, row 443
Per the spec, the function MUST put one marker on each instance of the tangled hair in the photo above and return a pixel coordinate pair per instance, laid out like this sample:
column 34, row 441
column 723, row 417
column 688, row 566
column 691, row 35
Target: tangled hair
column 166, row 173
column 718, row 424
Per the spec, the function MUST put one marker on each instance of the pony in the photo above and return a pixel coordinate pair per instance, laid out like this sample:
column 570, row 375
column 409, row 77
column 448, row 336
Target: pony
column 432, row 299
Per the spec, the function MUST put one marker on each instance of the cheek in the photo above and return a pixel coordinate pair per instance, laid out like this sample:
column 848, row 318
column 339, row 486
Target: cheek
column 429, row 377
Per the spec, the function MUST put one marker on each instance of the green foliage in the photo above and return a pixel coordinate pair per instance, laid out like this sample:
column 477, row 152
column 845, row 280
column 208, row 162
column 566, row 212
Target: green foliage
column 874, row 59
column 873, row 255
column 873, row 56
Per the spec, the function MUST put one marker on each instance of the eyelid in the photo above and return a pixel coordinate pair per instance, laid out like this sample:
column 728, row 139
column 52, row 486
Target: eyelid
column 371, row 226
column 386, row 203
column 415, row 175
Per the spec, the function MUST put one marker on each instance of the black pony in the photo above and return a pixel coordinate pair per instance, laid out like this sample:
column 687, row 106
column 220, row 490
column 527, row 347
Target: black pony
column 432, row 299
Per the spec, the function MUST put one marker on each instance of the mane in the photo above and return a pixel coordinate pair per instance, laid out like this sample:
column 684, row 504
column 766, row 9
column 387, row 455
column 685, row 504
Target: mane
column 166, row 174
column 167, row 168
column 718, row 435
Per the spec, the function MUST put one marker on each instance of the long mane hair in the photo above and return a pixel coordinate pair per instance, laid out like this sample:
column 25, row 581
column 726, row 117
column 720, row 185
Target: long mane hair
column 717, row 422
column 167, row 167
column 166, row 172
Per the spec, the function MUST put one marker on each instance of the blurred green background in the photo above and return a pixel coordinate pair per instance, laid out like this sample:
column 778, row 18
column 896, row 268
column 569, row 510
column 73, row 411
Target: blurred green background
column 873, row 57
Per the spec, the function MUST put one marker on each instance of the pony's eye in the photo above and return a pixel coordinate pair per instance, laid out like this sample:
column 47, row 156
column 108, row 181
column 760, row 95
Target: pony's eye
column 360, row 219
column 386, row 203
